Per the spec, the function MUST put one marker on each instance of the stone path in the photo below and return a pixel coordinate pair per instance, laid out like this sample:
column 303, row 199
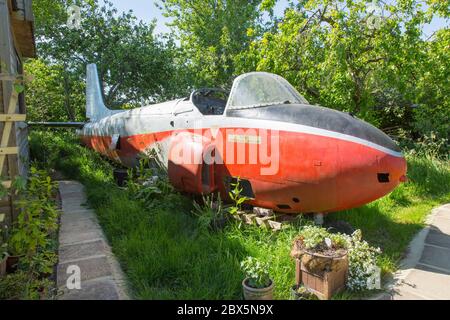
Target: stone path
column 82, row 244
column 425, row 273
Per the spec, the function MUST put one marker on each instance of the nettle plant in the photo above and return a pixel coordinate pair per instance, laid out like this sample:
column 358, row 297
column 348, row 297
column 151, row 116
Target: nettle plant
column 257, row 272
column 237, row 197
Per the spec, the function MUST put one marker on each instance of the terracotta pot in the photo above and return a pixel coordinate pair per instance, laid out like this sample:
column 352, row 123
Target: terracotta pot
column 3, row 266
column 257, row 293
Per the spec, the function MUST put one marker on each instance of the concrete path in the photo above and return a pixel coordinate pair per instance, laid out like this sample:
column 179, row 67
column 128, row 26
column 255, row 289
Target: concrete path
column 83, row 245
column 425, row 272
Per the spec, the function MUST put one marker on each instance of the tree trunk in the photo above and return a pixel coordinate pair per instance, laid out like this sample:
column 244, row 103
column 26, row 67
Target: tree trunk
column 67, row 103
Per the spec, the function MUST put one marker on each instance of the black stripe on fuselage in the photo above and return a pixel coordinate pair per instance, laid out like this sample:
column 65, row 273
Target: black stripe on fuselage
column 318, row 117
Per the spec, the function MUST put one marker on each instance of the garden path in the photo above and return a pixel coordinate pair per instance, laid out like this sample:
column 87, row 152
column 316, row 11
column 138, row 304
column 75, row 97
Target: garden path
column 84, row 253
column 425, row 272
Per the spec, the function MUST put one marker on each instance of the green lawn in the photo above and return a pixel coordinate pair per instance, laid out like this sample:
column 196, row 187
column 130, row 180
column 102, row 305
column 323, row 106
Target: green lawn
column 166, row 256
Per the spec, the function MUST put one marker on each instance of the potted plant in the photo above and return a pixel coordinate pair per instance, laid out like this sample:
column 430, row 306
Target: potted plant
column 323, row 261
column 257, row 284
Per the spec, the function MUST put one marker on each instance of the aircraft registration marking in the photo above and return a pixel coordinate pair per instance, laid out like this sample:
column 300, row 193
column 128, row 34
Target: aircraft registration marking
column 243, row 138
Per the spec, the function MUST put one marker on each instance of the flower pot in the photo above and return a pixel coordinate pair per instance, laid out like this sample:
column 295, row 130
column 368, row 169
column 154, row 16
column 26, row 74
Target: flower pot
column 323, row 275
column 3, row 266
column 257, row 293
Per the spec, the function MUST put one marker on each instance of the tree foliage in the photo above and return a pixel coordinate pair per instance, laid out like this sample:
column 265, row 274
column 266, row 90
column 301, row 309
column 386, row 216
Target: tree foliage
column 212, row 33
column 377, row 64
column 135, row 65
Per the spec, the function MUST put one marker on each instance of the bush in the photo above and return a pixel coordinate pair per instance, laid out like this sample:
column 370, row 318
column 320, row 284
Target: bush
column 33, row 238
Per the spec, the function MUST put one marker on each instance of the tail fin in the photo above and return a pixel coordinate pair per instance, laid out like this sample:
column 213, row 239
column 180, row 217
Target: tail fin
column 95, row 107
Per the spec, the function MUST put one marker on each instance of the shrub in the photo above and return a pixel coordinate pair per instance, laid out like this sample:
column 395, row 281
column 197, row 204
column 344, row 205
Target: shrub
column 33, row 237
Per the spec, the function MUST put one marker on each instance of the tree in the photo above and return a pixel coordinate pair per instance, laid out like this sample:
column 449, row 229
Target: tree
column 341, row 53
column 213, row 32
column 134, row 64
column 45, row 93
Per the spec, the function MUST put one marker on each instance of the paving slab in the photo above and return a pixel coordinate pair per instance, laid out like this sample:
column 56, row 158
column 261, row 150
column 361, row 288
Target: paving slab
column 441, row 224
column 83, row 244
column 69, row 238
column 438, row 238
column 436, row 256
column 428, row 284
column 79, row 225
column 406, row 295
column 97, row 289
column 425, row 274
column 91, row 268
column 81, row 250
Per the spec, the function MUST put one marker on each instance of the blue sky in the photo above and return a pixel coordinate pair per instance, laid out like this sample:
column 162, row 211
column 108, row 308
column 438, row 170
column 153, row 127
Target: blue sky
column 146, row 10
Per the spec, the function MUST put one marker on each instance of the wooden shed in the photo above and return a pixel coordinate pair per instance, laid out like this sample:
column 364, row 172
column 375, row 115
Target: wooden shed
column 16, row 43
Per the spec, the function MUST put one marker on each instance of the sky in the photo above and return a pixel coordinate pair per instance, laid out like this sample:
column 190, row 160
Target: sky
column 147, row 11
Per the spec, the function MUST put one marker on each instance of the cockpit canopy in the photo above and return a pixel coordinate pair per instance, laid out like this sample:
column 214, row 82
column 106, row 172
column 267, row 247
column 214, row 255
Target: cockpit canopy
column 256, row 89
column 250, row 90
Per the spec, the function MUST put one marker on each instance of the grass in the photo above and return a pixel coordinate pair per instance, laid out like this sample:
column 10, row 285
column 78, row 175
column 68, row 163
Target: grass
column 166, row 256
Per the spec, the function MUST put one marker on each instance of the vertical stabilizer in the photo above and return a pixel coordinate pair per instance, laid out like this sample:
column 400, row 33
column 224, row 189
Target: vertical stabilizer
column 95, row 107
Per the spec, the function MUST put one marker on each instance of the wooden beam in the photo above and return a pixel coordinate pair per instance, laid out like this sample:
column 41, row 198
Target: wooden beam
column 7, row 184
column 9, row 150
column 12, row 117
column 7, row 77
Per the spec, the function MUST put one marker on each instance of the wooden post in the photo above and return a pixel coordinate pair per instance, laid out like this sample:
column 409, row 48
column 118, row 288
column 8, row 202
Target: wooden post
column 298, row 272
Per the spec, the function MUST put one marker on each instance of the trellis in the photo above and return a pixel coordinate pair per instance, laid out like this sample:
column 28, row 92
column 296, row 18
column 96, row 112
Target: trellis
column 8, row 118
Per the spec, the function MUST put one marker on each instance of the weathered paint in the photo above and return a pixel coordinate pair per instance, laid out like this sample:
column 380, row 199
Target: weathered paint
column 319, row 170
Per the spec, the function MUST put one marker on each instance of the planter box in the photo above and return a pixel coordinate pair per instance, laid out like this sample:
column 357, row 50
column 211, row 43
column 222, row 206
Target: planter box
column 327, row 279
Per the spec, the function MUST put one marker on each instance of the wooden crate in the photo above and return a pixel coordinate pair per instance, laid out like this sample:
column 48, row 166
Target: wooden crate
column 326, row 284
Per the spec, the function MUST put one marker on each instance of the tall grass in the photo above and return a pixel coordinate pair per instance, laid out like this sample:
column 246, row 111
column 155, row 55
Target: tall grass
column 166, row 256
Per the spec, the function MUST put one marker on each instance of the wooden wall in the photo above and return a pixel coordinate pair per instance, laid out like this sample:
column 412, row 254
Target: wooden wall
column 16, row 44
